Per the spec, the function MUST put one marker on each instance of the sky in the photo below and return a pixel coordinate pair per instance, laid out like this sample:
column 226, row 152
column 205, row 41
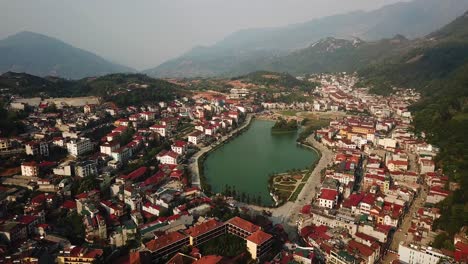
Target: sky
column 144, row 33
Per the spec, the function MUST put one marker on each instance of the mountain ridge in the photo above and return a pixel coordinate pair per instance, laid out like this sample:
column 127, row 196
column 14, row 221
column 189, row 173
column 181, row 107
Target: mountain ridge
column 42, row 55
column 227, row 57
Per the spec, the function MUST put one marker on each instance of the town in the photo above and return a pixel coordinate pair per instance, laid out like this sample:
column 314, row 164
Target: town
column 90, row 181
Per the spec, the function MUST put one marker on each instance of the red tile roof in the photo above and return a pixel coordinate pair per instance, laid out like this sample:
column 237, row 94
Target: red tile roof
column 203, row 228
column 164, row 241
column 328, row 194
column 259, row 237
column 243, row 224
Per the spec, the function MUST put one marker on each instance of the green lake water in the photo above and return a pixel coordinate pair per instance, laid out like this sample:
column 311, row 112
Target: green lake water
column 247, row 161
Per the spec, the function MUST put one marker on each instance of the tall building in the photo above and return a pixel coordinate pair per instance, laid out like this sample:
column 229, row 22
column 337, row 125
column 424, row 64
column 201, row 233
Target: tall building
column 78, row 147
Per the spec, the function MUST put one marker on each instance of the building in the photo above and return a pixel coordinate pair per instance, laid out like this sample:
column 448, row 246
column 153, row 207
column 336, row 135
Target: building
column 259, row 243
column 86, row 168
column 4, row 144
column 165, row 245
column 196, row 137
column 78, row 147
column 162, row 130
column 12, row 231
column 37, row 148
column 179, row 147
column 415, row 254
column 205, row 231
column 328, row 198
column 109, row 147
column 80, row 255
column 240, row 227
column 168, row 157
column 30, row 169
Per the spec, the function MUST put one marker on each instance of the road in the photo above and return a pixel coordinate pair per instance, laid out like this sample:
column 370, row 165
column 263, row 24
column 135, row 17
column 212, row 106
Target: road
column 401, row 235
column 193, row 165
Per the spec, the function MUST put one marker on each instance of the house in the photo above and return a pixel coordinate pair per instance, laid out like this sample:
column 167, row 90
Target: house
column 196, row 137
column 109, row 147
column 328, row 198
column 162, row 130
column 426, row 165
column 179, row 147
column 151, row 208
column 82, row 255
column 147, row 116
column 168, row 157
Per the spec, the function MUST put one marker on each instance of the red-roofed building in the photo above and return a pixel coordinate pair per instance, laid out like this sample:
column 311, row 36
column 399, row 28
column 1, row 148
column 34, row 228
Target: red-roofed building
column 167, row 244
column 328, row 198
column 461, row 252
column 168, row 157
column 259, row 243
column 241, row 227
column 205, row 231
column 179, row 147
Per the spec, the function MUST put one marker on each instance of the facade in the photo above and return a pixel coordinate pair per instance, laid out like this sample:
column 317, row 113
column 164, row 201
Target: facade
column 78, row 147
column 30, row 169
column 196, row 137
column 37, row 148
column 415, row 254
column 259, row 243
column 86, row 168
column 80, row 255
column 168, row 157
column 108, row 147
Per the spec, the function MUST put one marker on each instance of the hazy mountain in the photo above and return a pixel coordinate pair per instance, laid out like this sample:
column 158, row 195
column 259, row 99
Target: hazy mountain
column 248, row 50
column 42, row 55
column 437, row 63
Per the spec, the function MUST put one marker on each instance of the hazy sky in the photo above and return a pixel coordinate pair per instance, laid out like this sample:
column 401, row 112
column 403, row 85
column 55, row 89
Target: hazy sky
column 145, row 33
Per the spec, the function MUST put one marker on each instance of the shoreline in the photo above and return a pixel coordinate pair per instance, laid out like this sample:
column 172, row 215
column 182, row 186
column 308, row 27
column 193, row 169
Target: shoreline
column 194, row 166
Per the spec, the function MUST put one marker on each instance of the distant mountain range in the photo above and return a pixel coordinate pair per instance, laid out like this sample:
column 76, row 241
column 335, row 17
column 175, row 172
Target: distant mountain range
column 42, row 55
column 271, row 48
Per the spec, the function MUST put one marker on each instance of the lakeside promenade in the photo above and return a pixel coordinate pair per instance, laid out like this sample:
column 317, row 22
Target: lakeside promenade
column 193, row 166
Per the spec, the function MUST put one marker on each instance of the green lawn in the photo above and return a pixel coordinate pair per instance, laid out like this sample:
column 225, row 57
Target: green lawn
column 289, row 112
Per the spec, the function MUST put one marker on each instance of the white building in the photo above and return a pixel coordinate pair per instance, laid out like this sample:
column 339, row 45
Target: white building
column 78, row 147
column 415, row 254
column 168, row 157
column 160, row 129
column 196, row 137
column 179, row 147
column 86, row 168
column 109, row 147
column 30, row 169
column 37, row 148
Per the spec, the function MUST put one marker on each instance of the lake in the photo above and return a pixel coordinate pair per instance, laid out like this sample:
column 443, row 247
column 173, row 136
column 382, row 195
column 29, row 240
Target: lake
column 247, row 161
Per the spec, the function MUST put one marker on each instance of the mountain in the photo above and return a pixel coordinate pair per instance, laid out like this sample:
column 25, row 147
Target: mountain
column 437, row 66
column 248, row 50
column 42, row 55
